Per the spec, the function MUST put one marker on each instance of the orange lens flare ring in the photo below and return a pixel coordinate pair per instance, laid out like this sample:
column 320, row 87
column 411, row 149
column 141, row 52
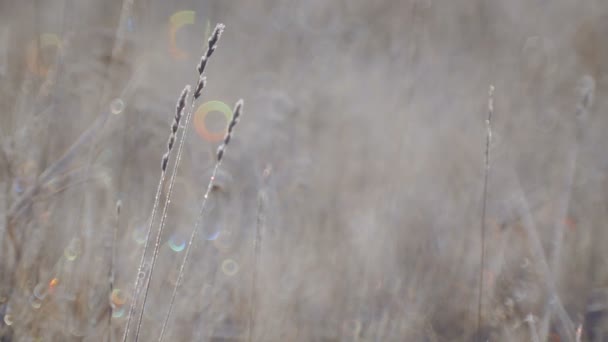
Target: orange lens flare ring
column 53, row 285
column 34, row 64
column 176, row 22
column 201, row 114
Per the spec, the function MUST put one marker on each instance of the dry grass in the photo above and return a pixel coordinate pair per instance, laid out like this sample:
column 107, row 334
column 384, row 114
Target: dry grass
column 349, row 203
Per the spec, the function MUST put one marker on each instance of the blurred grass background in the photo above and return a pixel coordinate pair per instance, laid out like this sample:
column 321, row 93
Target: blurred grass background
column 360, row 158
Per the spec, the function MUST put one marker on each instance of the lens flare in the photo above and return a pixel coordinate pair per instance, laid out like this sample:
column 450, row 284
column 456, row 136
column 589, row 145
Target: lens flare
column 118, row 298
column 40, row 291
column 117, row 106
column 213, row 236
column 176, row 22
column 53, row 284
column 177, row 243
column 73, row 250
column 139, row 234
column 201, row 115
column 118, row 312
column 35, row 302
column 33, row 53
column 230, row 267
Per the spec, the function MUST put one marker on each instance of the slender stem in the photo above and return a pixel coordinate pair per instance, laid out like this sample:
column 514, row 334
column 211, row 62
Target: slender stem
column 484, row 205
column 221, row 151
column 136, row 288
column 197, row 225
column 160, row 230
column 113, row 262
column 212, row 44
column 181, row 104
column 543, row 266
column 257, row 247
column 581, row 115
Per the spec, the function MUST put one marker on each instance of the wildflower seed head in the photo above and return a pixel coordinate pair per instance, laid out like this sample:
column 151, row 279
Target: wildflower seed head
column 202, row 81
column 215, row 37
column 237, row 110
column 202, row 64
column 236, row 116
column 235, row 119
column 231, row 125
column 179, row 111
column 170, row 142
column 220, row 152
column 164, row 162
column 181, row 103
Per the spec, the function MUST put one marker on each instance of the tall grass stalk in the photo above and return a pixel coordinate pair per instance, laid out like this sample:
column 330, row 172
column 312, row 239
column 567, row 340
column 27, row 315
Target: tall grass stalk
column 539, row 256
column 237, row 113
column 257, row 249
column 587, row 89
column 136, row 288
column 212, row 44
column 484, row 205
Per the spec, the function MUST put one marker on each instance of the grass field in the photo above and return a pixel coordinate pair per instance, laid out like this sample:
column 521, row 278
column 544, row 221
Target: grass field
column 363, row 196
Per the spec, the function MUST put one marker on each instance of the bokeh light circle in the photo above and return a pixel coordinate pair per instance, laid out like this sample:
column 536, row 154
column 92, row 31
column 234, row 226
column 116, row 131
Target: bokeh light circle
column 213, row 235
column 201, row 115
column 177, row 243
column 118, row 312
column 40, row 291
column 118, row 298
column 230, row 267
column 53, row 284
column 139, row 234
column 117, row 106
column 73, row 250
column 176, row 22
column 35, row 302
column 33, row 54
